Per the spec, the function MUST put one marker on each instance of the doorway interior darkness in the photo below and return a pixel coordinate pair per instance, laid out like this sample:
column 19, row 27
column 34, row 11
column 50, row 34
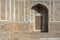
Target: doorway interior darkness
column 44, row 18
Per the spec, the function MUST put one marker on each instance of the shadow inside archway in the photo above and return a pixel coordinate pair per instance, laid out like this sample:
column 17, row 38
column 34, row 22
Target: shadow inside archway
column 44, row 18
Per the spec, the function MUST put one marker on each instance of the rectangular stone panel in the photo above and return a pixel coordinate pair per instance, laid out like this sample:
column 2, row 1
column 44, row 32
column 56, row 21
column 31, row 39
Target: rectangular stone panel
column 56, row 6
column 21, row 11
column 8, row 10
column 16, row 11
column 13, row 27
column 3, row 2
column 27, row 11
column 37, row 22
column 12, row 10
column 54, row 27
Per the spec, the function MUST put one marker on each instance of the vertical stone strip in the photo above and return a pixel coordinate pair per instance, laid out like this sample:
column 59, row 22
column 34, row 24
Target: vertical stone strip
column 12, row 10
column 16, row 10
column 27, row 15
column 3, row 2
column 52, row 9
column 34, row 17
column 0, row 9
column 21, row 10
column 8, row 10
column 24, row 10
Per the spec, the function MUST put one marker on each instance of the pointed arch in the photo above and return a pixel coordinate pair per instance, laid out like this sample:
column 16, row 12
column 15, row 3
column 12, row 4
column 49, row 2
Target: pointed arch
column 44, row 18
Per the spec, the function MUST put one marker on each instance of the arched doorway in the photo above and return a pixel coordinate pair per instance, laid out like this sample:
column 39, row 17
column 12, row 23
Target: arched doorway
column 44, row 18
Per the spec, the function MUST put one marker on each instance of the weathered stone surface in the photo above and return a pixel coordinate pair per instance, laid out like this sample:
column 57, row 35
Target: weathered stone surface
column 54, row 27
column 38, row 22
column 24, row 30
column 16, row 27
column 4, row 36
column 3, row 9
column 56, row 10
column 12, row 27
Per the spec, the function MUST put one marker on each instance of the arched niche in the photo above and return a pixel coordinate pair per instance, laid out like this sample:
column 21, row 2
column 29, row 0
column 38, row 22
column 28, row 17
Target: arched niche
column 43, row 10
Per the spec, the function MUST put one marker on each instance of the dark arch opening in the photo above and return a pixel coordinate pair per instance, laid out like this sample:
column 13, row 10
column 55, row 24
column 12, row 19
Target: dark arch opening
column 44, row 19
